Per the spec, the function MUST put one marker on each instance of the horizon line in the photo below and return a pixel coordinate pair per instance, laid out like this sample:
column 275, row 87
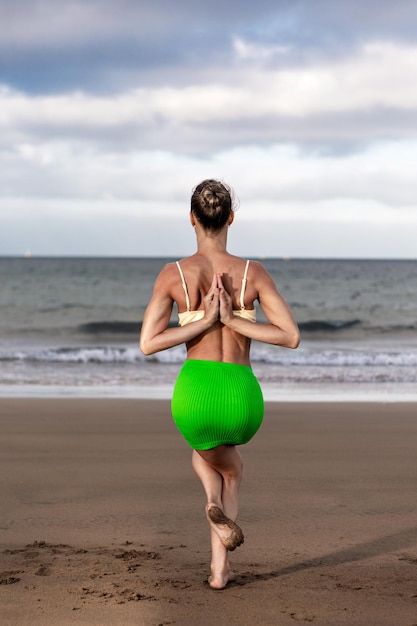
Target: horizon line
column 31, row 256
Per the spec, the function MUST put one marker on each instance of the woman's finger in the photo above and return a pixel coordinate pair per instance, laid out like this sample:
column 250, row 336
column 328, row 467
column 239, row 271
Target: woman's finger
column 213, row 293
column 213, row 287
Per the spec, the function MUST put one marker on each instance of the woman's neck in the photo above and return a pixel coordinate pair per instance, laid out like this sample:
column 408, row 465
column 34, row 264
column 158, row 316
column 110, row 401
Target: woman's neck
column 211, row 242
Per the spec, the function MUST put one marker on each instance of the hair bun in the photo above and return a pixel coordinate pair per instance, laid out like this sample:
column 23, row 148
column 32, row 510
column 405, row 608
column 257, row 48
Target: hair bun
column 211, row 203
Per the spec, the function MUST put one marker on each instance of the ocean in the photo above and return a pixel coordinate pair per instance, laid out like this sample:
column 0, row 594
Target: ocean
column 70, row 327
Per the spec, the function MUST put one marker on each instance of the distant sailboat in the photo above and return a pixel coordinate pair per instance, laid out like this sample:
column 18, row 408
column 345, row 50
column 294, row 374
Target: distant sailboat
column 28, row 254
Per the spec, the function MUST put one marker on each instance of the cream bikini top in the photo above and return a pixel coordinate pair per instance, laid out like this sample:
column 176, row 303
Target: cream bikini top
column 192, row 316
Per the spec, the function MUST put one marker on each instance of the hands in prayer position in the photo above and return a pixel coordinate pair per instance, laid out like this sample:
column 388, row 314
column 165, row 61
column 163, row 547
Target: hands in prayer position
column 218, row 305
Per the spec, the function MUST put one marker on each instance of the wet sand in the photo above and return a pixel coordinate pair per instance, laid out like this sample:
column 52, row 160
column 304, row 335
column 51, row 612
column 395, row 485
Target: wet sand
column 102, row 519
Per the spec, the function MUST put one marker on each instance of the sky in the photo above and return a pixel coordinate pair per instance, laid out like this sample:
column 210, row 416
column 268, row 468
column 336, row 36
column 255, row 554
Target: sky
column 111, row 113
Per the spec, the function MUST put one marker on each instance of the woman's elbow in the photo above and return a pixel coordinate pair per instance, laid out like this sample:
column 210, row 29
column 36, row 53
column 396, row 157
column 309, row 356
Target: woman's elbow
column 293, row 339
column 145, row 347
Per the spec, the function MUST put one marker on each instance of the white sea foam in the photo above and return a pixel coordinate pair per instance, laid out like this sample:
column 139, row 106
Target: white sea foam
column 308, row 357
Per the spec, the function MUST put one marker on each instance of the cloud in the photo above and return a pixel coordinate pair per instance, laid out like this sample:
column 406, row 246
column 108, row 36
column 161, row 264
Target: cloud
column 281, row 182
column 115, row 110
column 350, row 101
column 42, row 24
column 103, row 46
column 39, row 23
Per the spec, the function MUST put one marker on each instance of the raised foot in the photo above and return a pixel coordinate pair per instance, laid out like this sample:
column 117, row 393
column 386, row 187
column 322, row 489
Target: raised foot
column 229, row 532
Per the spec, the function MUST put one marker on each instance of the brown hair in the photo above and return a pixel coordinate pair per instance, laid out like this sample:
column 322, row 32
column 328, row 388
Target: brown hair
column 211, row 203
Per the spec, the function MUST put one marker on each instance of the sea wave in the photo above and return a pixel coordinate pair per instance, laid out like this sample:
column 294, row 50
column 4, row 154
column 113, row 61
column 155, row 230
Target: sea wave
column 118, row 327
column 75, row 355
column 329, row 325
column 309, row 358
column 115, row 330
column 322, row 326
column 128, row 327
column 113, row 327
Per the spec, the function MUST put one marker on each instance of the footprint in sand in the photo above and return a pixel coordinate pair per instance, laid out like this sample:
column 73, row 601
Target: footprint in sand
column 44, row 570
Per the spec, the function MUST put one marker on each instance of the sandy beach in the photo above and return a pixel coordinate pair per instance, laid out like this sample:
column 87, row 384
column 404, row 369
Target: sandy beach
column 102, row 519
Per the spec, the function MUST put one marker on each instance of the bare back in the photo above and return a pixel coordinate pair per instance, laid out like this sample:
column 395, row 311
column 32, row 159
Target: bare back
column 219, row 343
column 214, row 288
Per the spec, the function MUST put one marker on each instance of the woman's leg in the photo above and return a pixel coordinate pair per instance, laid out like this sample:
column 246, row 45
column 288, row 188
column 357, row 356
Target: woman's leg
column 220, row 471
column 221, row 475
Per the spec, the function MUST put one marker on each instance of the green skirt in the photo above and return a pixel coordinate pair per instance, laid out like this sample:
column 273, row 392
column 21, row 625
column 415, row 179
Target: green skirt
column 216, row 403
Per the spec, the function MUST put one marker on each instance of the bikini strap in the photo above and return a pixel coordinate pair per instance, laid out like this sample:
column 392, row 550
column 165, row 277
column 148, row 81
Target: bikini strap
column 184, row 285
column 242, row 291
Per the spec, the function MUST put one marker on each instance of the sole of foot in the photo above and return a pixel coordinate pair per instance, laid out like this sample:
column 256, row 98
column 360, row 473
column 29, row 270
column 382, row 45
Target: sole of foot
column 230, row 533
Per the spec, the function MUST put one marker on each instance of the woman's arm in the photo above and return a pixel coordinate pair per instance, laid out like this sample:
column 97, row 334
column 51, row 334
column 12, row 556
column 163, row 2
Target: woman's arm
column 282, row 329
column 155, row 334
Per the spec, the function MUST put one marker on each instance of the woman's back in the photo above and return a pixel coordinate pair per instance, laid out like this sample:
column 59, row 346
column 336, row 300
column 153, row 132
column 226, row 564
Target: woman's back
column 192, row 278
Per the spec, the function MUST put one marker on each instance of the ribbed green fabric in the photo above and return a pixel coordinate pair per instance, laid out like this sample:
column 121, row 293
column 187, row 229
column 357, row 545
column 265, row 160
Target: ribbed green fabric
column 216, row 403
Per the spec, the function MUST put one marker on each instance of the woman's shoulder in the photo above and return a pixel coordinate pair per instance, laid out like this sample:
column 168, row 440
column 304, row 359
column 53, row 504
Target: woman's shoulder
column 256, row 267
column 172, row 270
column 167, row 273
column 259, row 276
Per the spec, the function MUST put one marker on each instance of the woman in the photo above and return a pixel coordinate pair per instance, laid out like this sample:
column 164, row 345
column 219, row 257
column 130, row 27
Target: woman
column 217, row 402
